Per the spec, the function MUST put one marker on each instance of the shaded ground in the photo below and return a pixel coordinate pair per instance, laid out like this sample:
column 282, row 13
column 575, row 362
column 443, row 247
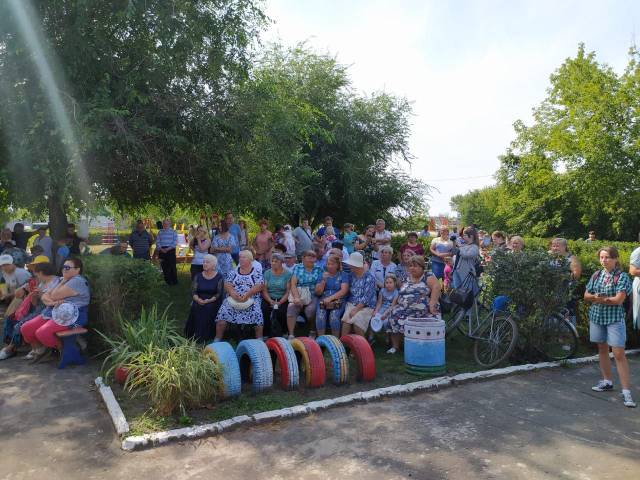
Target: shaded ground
column 542, row 425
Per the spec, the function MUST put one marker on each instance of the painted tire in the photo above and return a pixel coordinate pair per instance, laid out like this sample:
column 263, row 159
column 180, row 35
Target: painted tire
column 310, row 361
column 363, row 353
column 223, row 354
column 121, row 374
column 339, row 359
column 282, row 352
column 255, row 364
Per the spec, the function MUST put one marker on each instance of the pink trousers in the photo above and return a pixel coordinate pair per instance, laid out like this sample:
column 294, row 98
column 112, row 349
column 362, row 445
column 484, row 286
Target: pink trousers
column 42, row 330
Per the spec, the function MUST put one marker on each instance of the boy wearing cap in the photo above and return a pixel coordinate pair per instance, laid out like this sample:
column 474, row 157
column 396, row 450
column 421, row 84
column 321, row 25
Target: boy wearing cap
column 44, row 241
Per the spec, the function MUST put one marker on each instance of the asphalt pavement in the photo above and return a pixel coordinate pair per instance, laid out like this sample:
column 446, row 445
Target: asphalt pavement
column 540, row 425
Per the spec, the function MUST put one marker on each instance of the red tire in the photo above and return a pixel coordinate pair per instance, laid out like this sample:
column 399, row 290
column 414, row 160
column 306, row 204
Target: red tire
column 284, row 356
column 365, row 359
column 121, row 374
column 310, row 361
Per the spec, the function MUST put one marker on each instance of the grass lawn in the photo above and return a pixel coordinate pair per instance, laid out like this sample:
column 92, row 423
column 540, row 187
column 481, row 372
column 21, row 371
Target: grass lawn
column 390, row 370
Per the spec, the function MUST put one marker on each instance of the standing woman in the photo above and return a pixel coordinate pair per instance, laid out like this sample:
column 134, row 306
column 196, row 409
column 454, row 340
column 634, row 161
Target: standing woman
column 263, row 243
column 606, row 291
column 349, row 237
column 244, row 235
column 441, row 247
column 206, row 295
column 467, row 257
column 241, row 306
column 366, row 243
column 200, row 246
column 222, row 247
column 332, row 289
column 275, row 296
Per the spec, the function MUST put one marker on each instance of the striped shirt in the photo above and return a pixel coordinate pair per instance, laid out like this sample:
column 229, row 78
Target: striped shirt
column 140, row 242
column 167, row 237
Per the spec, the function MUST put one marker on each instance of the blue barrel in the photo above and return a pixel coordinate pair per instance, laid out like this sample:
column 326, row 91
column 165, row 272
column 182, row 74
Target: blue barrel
column 424, row 352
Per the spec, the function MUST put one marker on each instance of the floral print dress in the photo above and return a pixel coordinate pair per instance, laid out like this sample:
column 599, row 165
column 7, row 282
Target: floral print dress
column 413, row 301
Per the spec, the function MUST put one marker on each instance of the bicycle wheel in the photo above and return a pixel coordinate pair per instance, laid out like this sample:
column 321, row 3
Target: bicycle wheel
column 559, row 339
column 454, row 319
column 496, row 340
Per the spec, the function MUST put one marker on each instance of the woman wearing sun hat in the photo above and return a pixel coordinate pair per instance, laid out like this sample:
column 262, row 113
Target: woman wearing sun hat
column 362, row 297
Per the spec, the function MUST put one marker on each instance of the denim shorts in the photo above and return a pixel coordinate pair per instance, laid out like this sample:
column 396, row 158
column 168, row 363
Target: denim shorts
column 614, row 334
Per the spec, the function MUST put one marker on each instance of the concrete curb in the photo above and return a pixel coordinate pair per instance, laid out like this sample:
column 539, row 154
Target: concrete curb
column 109, row 399
column 160, row 438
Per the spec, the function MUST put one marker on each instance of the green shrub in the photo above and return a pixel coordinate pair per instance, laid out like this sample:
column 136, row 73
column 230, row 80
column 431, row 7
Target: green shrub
column 149, row 329
column 175, row 379
column 119, row 286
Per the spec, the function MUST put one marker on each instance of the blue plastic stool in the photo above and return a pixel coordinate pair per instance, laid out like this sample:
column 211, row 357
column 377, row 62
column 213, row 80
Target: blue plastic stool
column 70, row 354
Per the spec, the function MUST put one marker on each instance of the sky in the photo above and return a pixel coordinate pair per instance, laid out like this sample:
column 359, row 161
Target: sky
column 470, row 68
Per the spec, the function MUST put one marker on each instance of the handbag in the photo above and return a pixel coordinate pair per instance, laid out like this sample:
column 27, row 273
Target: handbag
column 446, row 305
column 305, row 296
column 463, row 295
column 332, row 305
column 240, row 305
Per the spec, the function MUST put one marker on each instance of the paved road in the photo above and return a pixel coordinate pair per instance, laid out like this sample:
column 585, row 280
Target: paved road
column 544, row 425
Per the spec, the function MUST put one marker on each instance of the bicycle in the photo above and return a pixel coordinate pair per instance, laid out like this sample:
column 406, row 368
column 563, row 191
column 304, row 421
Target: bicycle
column 558, row 339
column 495, row 333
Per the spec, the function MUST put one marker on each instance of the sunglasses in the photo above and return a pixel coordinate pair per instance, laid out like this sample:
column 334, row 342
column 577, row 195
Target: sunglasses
column 66, row 268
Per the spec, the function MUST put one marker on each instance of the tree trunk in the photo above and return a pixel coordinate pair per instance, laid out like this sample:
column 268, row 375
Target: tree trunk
column 57, row 219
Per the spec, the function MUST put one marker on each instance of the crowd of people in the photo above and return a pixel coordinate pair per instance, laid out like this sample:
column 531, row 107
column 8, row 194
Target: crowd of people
column 334, row 280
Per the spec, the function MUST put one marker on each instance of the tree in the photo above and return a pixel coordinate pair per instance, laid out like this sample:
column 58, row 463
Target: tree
column 146, row 85
column 320, row 149
column 573, row 168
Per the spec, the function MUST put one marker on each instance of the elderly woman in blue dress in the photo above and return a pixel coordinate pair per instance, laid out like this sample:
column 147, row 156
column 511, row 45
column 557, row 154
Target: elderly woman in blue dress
column 418, row 297
column 241, row 306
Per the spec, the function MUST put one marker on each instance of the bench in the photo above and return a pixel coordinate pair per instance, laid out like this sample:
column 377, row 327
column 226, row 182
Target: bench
column 70, row 353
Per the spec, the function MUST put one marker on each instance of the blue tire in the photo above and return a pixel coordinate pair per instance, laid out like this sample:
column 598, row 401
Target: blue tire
column 255, row 364
column 339, row 359
column 223, row 354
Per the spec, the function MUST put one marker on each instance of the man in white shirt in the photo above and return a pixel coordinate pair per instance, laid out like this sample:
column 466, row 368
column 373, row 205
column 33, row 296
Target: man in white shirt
column 381, row 236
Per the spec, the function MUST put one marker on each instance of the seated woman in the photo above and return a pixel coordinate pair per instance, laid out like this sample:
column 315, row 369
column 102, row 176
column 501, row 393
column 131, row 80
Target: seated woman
column 402, row 272
column 241, row 306
column 32, row 306
column 418, row 297
column 362, row 297
column 305, row 275
column 275, row 296
column 40, row 332
column 332, row 288
column 207, row 291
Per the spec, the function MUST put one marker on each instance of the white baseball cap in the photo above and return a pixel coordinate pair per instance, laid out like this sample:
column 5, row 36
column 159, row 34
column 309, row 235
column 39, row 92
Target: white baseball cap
column 6, row 260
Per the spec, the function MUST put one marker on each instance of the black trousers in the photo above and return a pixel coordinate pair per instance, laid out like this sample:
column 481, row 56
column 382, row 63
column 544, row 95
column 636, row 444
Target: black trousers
column 281, row 317
column 168, row 265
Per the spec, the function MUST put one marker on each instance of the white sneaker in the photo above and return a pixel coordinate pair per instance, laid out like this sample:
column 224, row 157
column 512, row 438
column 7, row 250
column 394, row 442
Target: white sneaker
column 5, row 354
column 30, row 356
column 627, row 400
column 392, row 350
